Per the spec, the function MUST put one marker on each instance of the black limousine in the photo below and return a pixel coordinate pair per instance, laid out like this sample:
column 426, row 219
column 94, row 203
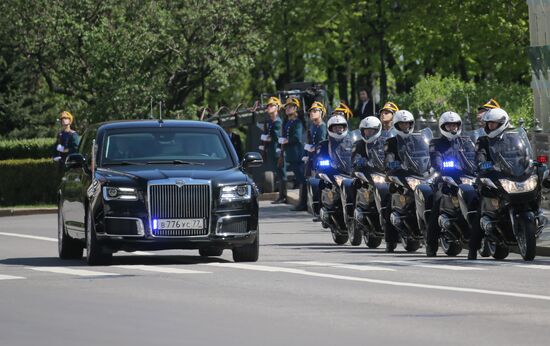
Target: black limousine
column 154, row 185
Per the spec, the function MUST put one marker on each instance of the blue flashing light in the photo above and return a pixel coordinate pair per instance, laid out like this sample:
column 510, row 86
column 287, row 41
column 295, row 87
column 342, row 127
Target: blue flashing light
column 449, row 164
column 155, row 223
column 324, row 163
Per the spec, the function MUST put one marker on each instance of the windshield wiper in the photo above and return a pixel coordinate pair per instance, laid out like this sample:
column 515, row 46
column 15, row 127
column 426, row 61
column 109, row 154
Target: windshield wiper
column 122, row 163
column 175, row 162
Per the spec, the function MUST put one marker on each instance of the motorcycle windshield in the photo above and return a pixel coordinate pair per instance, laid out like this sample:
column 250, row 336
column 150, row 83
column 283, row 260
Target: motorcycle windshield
column 376, row 155
column 460, row 156
column 340, row 153
column 414, row 152
column 512, row 153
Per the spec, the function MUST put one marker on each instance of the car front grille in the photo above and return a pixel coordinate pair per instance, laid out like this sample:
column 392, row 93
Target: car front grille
column 180, row 202
column 236, row 227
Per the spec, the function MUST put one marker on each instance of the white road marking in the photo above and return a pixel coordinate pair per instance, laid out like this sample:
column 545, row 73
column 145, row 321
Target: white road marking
column 344, row 266
column 375, row 281
column 71, row 271
column 10, row 277
column 447, row 267
column 28, row 236
column 142, row 253
column 162, row 269
column 534, row 266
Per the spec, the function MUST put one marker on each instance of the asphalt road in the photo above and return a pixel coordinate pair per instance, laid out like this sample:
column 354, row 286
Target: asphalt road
column 303, row 291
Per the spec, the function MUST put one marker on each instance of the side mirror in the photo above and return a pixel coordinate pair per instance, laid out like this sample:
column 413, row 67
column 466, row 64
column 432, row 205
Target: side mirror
column 252, row 159
column 74, row 161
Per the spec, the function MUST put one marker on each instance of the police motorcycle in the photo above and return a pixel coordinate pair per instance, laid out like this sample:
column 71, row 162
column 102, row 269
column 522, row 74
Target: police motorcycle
column 457, row 167
column 404, row 177
column 368, row 187
column 333, row 165
column 510, row 196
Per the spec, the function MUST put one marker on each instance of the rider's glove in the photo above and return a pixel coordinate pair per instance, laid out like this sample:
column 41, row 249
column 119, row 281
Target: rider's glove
column 393, row 165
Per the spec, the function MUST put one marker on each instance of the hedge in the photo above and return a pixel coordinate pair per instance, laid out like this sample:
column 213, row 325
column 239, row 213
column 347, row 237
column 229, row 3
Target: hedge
column 28, row 181
column 36, row 148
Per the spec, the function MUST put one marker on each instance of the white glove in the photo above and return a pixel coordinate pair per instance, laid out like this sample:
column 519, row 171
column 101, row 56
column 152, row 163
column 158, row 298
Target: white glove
column 60, row 148
column 261, row 147
column 283, row 140
column 57, row 158
column 305, row 158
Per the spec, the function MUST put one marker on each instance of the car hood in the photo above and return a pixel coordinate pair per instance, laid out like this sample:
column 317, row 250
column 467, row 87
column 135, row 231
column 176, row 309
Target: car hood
column 141, row 176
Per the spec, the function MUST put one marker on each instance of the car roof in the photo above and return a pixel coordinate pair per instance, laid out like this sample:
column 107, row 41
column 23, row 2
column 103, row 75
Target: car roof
column 126, row 124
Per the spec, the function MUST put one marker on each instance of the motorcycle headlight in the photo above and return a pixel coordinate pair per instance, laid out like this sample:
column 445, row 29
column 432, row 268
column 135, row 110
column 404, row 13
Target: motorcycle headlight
column 378, row 178
column 519, row 186
column 233, row 193
column 119, row 193
column 413, row 182
column 467, row 181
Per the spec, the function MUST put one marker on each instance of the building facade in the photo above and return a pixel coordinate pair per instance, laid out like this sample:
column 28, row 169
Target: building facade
column 539, row 55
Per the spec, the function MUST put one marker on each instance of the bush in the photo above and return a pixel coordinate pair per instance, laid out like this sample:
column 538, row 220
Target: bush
column 28, row 181
column 440, row 94
column 36, row 148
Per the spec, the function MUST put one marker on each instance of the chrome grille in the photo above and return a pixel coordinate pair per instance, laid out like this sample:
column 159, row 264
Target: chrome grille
column 186, row 202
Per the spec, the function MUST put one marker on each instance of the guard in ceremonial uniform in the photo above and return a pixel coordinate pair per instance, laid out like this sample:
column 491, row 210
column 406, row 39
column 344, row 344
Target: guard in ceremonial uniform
column 386, row 117
column 67, row 140
column 270, row 148
column 292, row 147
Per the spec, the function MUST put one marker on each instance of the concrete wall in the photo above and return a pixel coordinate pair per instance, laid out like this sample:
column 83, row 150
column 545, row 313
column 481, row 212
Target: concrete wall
column 539, row 31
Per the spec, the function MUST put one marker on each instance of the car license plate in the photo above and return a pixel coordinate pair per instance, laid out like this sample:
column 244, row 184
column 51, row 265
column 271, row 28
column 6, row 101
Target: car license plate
column 181, row 224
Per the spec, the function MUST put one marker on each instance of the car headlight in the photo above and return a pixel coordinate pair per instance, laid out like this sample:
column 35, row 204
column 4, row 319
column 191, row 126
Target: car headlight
column 119, row 193
column 467, row 181
column 413, row 182
column 519, row 186
column 378, row 178
column 233, row 193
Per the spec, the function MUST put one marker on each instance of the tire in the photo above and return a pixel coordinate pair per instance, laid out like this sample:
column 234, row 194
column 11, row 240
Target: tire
column 95, row 252
column 485, row 251
column 527, row 242
column 450, row 248
column 372, row 242
column 354, row 233
column 498, row 251
column 67, row 247
column 210, row 251
column 248, row 253
column 269, row 182
column 339, row 239
column 411, row 245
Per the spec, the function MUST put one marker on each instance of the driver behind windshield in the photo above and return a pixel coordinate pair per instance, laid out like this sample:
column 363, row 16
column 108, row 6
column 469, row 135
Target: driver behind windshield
column 339, row 144
column 371, row 129
column 450, row 127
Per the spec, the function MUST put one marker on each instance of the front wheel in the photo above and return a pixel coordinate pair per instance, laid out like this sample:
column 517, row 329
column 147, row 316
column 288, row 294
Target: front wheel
column 451, row 248
column 498, row 251
column 411, row 245
column 354, row 233
column 96, row 254
column 248, row 253
column 372, row 242
column 339, row 239
column 527, row 242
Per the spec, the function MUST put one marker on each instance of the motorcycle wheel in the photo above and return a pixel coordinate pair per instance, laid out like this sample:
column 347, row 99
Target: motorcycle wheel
column 450, row 248
column 498, row 251
column 485, row 251
column 411, row 245
column 372, row 242
column 354, row 232
column 339, row 239
column 526, row 239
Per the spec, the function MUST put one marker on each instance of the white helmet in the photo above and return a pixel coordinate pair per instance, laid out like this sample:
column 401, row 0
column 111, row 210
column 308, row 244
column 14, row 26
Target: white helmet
column 403, row 116
column 450, row 118
column 497, row 115
column 370, row 123
column 337, row 120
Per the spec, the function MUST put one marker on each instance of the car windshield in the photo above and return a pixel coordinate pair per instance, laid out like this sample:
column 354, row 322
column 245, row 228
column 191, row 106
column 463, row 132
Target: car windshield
column 414, row 150
column 512, row 153
column 168, row 145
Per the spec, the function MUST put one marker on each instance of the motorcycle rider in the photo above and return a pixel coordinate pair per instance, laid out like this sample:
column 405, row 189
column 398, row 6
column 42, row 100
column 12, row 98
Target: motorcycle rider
column 450, row 126
column 316, row 134
column 491, row 104
column 339, row 144
column 270, row 138
column 496, row 121
column 403, row 125
column 371, row 130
